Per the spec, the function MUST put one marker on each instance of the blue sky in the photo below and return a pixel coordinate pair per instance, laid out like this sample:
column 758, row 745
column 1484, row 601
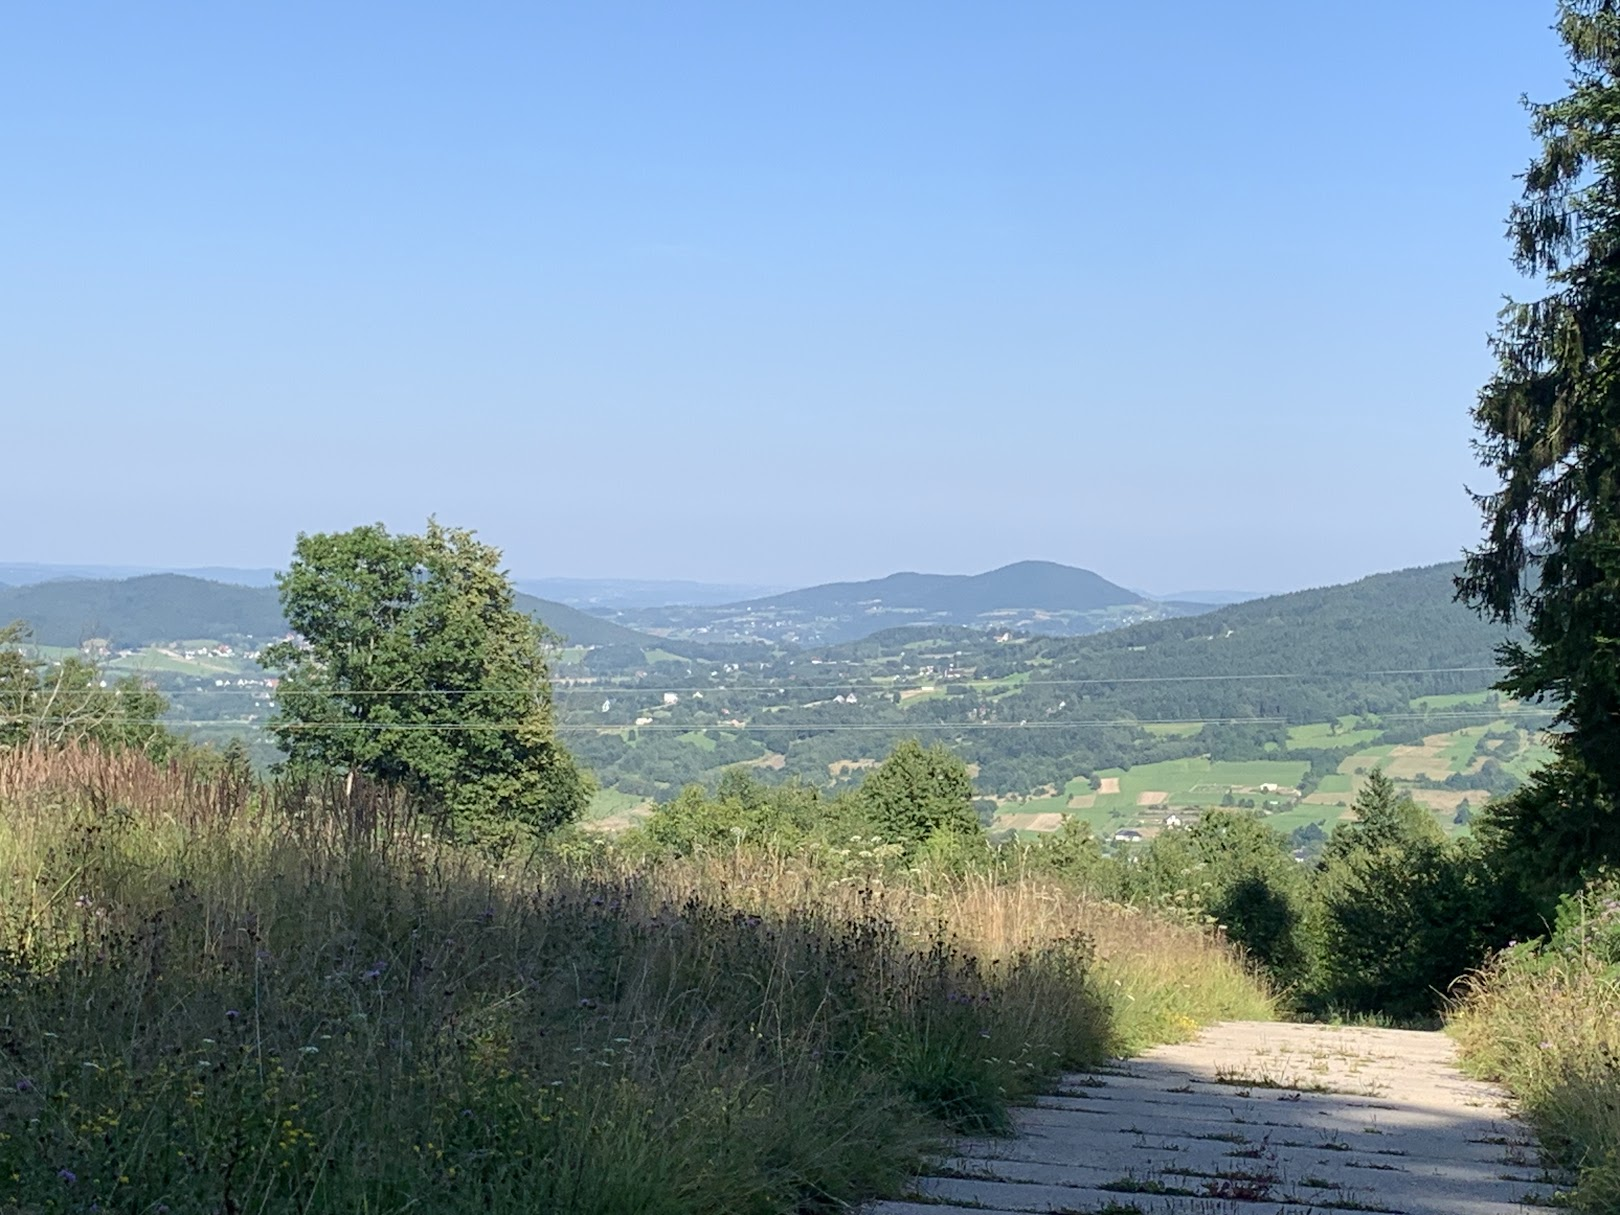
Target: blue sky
column 1193, row 295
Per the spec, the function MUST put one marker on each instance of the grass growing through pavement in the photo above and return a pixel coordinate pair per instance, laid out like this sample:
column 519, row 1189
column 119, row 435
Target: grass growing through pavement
column 1545, row 1020
column 228, row 997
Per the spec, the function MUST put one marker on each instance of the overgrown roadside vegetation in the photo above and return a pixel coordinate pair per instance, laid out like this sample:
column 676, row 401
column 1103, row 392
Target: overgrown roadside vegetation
column 1544, row 1018
column 224, row 995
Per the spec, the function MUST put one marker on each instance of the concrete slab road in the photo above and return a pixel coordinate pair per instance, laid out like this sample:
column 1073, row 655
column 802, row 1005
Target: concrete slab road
column 1255, row 1117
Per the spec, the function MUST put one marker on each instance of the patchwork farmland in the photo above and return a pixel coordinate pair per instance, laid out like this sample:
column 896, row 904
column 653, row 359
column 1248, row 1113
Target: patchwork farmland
column 1450, row 773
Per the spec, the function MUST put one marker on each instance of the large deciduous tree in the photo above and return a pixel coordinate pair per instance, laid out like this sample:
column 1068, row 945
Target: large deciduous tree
column 1549, row 423
column 411, row 664
column 918, row 793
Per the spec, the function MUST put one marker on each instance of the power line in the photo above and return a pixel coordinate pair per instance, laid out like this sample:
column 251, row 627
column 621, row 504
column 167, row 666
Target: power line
column 808, row 727
column 785, row 687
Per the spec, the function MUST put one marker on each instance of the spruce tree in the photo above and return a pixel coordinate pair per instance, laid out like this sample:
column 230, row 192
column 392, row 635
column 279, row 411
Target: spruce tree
column 1549, row 423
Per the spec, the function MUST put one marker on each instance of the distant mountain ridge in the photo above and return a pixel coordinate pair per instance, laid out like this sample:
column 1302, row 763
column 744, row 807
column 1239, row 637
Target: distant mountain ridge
column 614, row 593
column 1036, row 585
column 29, row 573
column 153, row 608
column 1033, row 596
column 572, row 592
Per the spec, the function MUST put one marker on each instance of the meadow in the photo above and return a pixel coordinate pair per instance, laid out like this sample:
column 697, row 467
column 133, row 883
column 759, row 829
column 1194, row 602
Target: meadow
column 225, row 994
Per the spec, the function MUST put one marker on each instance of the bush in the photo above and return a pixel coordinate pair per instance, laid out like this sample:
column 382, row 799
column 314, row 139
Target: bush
column 1397, row 914
column 1237, row 871
column 742, row 811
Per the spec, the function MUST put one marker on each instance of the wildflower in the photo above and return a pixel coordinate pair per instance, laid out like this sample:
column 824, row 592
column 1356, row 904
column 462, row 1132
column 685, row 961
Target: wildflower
column 309, row 1050
column 375, row 971
column 67, row 1175
column 25, row 1085
column 232, row 1014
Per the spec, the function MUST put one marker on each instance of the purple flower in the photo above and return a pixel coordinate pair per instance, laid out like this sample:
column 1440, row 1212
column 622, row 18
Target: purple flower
column 232, row 1014
column 25, row 1085
column 376, row 970
column 67, row 1175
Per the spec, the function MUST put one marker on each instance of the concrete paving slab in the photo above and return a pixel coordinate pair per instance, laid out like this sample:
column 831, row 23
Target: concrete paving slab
column 1256, row 1118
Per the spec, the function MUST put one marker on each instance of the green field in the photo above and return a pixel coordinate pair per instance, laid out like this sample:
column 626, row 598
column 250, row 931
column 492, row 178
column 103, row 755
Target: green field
column 151, row 660
column 1199, row 781
column 1288, row 821
column 1535, row 753
column 1460, row 752
column 1364, row 760
column 1454, row 700
column 605, row 803
column 1328, row 736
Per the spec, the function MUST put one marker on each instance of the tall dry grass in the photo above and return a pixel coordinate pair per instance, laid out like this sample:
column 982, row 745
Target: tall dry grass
column 1544, row 1019
column 224, row 996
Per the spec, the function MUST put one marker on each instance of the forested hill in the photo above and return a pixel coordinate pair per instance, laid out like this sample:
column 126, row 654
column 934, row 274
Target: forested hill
column 1037, row 596
column 1037, row 585
column 1308, row 655
column 1406, row 619
column 154, row 608
column 132, row 612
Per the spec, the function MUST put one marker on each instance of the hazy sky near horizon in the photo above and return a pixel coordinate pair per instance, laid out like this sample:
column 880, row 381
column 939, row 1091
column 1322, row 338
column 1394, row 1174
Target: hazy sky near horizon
column 1192, row 295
